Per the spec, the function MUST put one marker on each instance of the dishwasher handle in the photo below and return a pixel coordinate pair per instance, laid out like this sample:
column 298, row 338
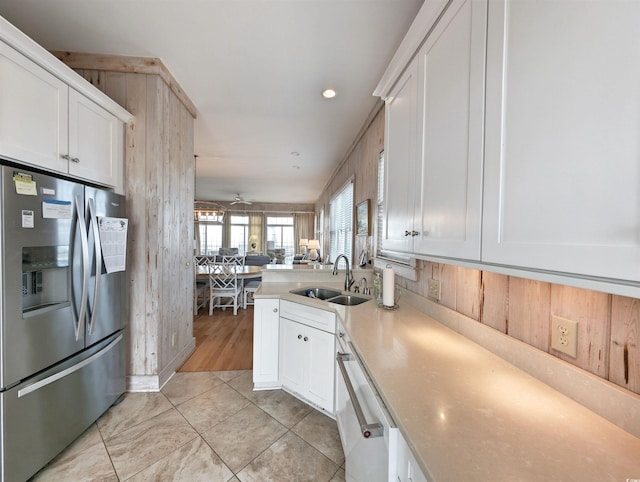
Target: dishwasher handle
column 368, row 429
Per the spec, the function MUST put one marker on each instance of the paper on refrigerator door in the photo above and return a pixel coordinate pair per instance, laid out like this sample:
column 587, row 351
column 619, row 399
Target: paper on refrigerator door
column 57, row 209
column 113, row 241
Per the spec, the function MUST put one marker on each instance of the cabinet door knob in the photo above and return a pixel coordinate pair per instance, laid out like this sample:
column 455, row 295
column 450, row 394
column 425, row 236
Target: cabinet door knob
column 66, row 157
column 75, row 159
column 299, row 337
column 414, row 233
column 407, row 233
column 306, row 338
column 275, row 310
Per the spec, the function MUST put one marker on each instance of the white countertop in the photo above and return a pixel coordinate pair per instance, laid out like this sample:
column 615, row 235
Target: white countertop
column 466, row 413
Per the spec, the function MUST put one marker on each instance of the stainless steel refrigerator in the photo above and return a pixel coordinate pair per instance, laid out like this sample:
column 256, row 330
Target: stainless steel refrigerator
column 62, row 350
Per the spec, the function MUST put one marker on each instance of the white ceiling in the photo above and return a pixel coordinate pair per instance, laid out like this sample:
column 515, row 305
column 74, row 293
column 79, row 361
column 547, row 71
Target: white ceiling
column 254, row 69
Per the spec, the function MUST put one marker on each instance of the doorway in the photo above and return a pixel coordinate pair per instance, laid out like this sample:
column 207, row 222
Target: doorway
column 223, row 341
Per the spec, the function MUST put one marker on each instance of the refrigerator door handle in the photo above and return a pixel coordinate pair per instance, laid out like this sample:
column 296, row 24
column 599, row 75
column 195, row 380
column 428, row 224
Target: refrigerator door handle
column 84, row 243
column 93, row 222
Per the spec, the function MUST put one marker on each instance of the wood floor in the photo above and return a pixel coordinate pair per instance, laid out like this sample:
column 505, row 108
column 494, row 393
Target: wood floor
column 223, row 341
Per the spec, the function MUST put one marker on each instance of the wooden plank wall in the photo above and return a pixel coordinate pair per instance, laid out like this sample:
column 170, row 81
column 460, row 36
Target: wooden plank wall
column 608, row 325
column 159, row 180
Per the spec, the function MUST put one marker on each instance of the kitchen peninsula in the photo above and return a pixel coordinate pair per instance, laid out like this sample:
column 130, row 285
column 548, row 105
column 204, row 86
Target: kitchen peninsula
column 468, row 414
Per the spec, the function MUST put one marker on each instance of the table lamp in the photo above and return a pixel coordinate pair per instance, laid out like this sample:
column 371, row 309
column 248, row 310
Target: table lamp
column 303, row 245
column 253, row 242
column 314, row 245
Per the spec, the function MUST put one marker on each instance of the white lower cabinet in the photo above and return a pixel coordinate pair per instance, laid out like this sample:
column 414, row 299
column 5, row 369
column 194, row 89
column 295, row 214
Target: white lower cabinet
column 266, row 324
column 293, row 353
column 306, row 355
column 408, row 469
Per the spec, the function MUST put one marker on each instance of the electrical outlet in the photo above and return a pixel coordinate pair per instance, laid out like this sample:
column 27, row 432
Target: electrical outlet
column 434, row 289
column 564, row 335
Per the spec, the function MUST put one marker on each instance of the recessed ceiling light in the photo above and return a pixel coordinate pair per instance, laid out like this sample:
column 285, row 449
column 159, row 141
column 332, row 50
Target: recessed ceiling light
column 328, row 93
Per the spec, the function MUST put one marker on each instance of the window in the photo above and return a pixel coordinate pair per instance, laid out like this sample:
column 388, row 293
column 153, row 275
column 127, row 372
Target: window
column 280, row 234
column 380, row 205
column 319, row 229
column 210, row 237
column 239, row 234
column 341, row 223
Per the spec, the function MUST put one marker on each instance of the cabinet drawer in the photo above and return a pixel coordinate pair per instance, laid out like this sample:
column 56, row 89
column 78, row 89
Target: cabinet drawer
column 314, row 317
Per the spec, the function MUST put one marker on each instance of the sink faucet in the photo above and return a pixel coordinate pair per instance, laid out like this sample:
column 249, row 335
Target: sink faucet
column 348, row 279
column 365, row 291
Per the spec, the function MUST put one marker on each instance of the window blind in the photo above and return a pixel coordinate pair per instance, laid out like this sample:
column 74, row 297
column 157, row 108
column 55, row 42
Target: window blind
column 380, row 205
column 341, row 223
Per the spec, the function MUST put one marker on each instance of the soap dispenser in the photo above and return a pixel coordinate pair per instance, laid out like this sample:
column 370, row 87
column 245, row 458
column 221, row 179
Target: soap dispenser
column 377, row 288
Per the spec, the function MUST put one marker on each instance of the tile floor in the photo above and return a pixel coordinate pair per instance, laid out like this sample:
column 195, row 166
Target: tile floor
column 205, row 426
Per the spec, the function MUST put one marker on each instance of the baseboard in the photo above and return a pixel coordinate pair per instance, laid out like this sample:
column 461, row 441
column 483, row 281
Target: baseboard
column 266, row 386
column 143, row 383
column 154, row 383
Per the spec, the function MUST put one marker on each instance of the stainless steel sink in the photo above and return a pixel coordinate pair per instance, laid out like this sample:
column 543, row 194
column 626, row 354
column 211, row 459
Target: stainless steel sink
column 347, row 300
column 319, row 293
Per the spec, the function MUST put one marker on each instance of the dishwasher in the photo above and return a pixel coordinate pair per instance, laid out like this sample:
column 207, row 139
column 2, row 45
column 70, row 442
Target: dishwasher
column 368, row 434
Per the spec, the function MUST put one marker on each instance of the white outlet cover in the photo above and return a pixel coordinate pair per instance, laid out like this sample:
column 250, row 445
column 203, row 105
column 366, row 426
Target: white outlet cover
column 434, row 288
column 564, row 336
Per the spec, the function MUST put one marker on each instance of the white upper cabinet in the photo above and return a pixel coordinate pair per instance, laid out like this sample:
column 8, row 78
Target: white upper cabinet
column 562, row 161
column 434, row 140
column 45, row 123
column 526, row 153
column 96, row 142
column 401, row 162
column 53, row 119
column 451, row 98
column 34, row 108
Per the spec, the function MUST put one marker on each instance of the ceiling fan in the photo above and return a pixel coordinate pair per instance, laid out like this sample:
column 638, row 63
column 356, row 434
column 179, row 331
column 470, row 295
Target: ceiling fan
column 239, row 200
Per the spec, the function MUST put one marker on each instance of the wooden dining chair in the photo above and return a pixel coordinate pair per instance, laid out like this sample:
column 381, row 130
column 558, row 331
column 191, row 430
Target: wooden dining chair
column 225, row 289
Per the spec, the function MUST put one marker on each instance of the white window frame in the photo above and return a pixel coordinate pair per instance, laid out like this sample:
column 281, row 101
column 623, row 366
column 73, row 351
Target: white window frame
column 207, row 231
column 239, row 223
column 286, row 233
